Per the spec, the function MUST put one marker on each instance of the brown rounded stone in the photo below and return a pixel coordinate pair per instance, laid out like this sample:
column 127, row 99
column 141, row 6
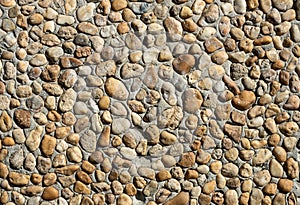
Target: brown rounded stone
column 5, row 122
column 84, row 177
column 187, row 159
column 285, row 185
column 48, row 145
column 192, row 100
column 8, row 141
column 123, row 28
column 124, row 199
column 50, row 193
column 8, row 3
column 49, row 179
column 18, row 179
column 163, row 175
column 180, row 199
column 244, row 100
column 118, row 5
column 183, row 63
column 130, row 189
column 280, row 154
column 36, row 178
column 22, row 118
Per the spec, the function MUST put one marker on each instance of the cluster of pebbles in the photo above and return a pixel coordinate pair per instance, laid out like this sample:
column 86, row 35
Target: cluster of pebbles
column 149, row 102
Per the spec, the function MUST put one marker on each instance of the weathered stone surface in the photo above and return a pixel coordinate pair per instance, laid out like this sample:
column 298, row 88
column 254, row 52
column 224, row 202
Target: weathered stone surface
column 85, row 12
column 22, row 118
column 174, row 28
column 181, row 199
column 5, row 122
column 244, row 100
column 69, row 62
column 18, row 179
column 50, row 193
column 192, row 100
column 34, row 138
column 170, row 117
column 183, row 63
column 67, row 100
column 116, row 89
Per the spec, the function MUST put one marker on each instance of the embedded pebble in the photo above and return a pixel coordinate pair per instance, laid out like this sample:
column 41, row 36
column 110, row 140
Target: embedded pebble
column 149, row 102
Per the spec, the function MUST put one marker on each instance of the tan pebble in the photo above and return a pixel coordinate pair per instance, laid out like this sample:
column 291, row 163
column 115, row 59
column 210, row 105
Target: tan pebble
column 189, row 25
column 88, row 28
column 209, row 187
column 247, row 185
column 116, row 89
column 36, row 19
column 191, row 174
column 229, row 170
column 212, row 44
column 219, row 57
column 252, row 4
column 49, row 179
column 3, row 170
column 289, row 15
column 31, row 190
column 81, row 188
column 8, row 3
column 232, row 154
column 246, row 170
column 4, row 197
column 279, row 199
column 192, row 99
column 104, row 139
column 146, row 172
column 5, row 122
column 174, row 28
column 233, row 131
column 163, row 175
column 292, row 168
column 130, row 189
column 288, row 128
column 237, row 33
column 185, row 12
column 183, row 64
column 203, row 157
column 216, row 72
column 238, row 117
column 285, row 185
column 262, row 178
column 270, row 189
column 124, row 199
column 167, row 138
column 84, row 177
column 118, row 5
column 123, row 28
column 244, row 198
column 68, row 118
column 231, row 197
column 48, row 145
column 18, row 179
column 244, row 100
column 67, row 170
column 187, row 159
column 128, row 15
column 8, row 141
column 262, row 41
column 261, row 156
column 50, row 193
column 74, row 154
column 180, row 199
column 215, row 167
